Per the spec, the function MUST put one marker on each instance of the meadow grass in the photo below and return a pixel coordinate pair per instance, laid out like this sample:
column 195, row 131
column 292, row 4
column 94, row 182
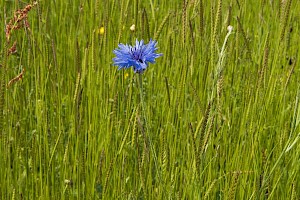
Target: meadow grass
column 219, row 117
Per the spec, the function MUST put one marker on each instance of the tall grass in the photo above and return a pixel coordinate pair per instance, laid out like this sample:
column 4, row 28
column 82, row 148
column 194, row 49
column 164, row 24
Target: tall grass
column 220, row 115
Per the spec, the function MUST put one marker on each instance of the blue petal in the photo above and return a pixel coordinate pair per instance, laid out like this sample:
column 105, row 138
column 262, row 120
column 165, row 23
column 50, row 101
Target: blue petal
column 137, row 56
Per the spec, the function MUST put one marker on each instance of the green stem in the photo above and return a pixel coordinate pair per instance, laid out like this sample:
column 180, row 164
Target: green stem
column 144, row 121
column 3, row 86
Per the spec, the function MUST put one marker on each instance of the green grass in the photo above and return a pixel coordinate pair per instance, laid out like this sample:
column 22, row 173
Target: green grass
column 211, row 125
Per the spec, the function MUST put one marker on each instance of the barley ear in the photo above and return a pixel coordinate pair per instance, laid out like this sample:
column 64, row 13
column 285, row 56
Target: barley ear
column 207, row 135
column 233, row 186
column 294, row 193
column 210, row 188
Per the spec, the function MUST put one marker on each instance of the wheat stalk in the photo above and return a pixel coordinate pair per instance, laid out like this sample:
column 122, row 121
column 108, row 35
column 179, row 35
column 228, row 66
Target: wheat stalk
column 294, row 193
column 265, row 63
column 284, row 21
column 202, row 133
column 201, row 10
column 127, row 132
column 215, row 30
column 161, row 26
column 245, row 37
column 134, row 129
column 207, row 135
column 210, row 188
column 145, row 23
column 112, row 162
column 142, row 179
column 184, row 19
column 291, row 71
column 234, row 185
column 229, row 16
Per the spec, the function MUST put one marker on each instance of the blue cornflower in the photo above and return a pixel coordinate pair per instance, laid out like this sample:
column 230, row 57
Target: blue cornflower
column 137, row 56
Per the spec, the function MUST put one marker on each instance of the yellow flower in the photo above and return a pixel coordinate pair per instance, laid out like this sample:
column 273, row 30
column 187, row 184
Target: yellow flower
column 126, row 75
column 101, row 30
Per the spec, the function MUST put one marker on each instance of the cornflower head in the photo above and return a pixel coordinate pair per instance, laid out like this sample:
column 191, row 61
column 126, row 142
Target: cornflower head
column 138, row 56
